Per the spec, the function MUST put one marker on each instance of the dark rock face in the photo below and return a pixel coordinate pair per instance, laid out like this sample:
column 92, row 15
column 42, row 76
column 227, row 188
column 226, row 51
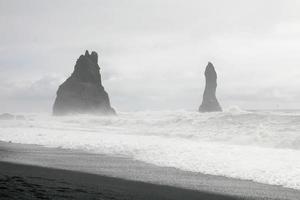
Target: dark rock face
column 210, row 102
column 83, row 92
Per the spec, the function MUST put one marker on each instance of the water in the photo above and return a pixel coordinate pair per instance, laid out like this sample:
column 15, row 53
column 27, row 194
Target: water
column 262, row 146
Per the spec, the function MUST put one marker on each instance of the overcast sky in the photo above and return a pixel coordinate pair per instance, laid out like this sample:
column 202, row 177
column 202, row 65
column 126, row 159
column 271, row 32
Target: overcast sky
column 152, row 53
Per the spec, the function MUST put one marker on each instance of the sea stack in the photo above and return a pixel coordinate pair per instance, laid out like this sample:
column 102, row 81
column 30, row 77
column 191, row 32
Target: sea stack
column 210, row 102
column 83, row 92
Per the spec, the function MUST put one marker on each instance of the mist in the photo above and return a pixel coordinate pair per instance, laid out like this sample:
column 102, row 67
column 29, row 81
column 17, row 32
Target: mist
column 152, row 54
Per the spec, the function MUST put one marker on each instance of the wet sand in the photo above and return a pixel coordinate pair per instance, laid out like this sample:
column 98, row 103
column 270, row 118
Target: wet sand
column 36, row 172
column 31, row 182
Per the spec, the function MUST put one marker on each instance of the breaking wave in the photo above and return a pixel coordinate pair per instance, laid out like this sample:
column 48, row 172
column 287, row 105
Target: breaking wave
column 263, row 146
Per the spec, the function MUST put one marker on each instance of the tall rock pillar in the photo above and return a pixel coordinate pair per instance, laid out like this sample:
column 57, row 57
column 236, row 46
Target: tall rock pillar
column 210, row 102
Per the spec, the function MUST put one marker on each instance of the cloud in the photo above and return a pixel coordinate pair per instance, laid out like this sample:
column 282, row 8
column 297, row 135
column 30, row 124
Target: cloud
column 152, row 54
column 28, row 95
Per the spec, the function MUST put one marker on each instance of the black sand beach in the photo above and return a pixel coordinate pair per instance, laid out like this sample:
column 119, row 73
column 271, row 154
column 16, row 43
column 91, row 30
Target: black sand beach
column 31, row 182
column 34, row 172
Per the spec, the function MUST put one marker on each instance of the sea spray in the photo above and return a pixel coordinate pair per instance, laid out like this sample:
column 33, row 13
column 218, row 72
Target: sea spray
column 262, row 146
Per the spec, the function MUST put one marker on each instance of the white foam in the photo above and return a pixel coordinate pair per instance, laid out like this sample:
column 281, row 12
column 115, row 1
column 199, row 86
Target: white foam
column 246, row 145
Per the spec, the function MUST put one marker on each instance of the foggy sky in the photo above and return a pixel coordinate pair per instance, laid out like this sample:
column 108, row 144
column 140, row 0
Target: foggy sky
column 152, row 54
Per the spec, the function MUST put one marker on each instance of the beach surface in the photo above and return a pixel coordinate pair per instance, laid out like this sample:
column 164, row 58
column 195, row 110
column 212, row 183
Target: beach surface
column 36, row 172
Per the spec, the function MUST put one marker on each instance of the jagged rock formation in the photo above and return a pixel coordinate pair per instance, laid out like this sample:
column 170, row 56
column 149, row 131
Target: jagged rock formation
column 210, row 102
column 83, row 92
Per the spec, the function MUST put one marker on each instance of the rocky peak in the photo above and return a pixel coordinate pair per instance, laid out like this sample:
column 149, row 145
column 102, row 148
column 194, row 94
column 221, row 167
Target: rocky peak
column 210, row 102
column 83, row 92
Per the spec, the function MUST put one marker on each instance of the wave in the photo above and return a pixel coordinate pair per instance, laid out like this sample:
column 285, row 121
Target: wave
column 258, row 145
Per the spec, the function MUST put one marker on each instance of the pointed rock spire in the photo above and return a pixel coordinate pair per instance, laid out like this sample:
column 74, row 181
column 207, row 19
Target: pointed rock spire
column 94, row 57
column 83, row 92
column 210, row 102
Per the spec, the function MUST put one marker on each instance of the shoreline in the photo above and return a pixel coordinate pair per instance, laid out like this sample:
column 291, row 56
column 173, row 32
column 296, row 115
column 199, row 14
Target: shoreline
column 19, row 181
column 135, row 172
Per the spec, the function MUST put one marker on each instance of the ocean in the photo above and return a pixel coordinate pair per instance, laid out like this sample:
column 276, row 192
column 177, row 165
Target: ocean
column 263, row 146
